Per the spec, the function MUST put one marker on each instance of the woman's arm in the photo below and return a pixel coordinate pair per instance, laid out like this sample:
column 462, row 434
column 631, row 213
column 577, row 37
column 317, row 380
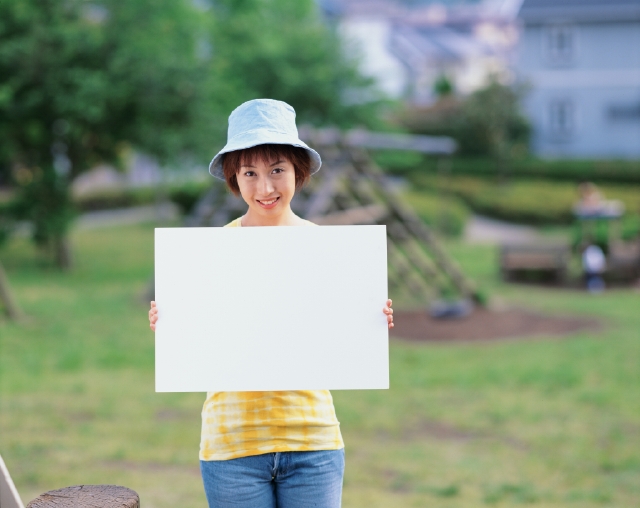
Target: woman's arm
column 387, row 310
column 153, row 315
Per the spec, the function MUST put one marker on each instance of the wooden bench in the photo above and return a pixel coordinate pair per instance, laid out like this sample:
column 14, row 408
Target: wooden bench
column 552, row 259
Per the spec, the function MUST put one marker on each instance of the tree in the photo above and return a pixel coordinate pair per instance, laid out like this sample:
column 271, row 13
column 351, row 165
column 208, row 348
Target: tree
column 489, row 122
column 494, row 115
column 283, row 49
column 80, row 82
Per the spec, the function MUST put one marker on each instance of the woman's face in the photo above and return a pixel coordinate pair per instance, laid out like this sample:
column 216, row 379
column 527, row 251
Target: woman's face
column 267, row 187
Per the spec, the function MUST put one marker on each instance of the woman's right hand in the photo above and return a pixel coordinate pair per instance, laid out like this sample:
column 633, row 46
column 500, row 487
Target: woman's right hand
column 153, row 316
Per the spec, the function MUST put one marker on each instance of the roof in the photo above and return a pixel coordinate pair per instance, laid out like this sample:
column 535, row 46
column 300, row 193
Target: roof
column 542, row 11
column 417, row 45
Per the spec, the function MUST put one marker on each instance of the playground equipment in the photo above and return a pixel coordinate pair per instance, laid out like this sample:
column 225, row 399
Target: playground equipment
column 352, row 190
column 623, row 257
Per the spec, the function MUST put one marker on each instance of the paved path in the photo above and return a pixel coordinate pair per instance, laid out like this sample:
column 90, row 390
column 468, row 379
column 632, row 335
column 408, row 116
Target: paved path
column 162, row 212
column 490, row 231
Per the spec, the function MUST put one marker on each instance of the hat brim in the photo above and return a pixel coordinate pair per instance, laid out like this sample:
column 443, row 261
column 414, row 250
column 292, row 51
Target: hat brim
column 249, row 139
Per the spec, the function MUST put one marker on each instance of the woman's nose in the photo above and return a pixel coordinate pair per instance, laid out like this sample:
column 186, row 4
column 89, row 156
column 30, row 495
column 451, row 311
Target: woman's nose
column 266, row 186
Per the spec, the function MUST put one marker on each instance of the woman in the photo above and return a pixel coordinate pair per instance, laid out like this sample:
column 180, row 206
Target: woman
column 269, row 449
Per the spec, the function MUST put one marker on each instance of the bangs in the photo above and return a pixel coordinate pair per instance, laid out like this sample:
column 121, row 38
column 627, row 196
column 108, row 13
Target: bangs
column 267, row 154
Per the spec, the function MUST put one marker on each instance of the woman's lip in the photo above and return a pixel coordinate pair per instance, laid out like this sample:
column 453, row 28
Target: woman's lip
column 272, row 202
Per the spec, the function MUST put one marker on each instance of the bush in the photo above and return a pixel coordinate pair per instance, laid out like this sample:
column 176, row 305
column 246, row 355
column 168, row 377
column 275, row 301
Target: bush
column 605, row 171
column 444, row 213
column 537, row 202
column 185, row 196
column 489, row 122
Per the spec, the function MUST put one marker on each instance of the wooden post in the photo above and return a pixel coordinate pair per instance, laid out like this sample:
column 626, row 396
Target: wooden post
column 88, row 496
column 11, row 308
column 9, row 497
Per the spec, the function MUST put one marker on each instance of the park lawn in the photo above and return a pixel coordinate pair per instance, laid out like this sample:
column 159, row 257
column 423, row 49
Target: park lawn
column 548, row 422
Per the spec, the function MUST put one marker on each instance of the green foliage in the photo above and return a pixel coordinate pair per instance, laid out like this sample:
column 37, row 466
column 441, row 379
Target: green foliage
column 487, row 123
column 443, row 86
column 401, row 162
column 444, row 213
column 183, row 195
column 605, row 171
column 282, row 49
column 82, row 83
column 540, row 202
column 186, row 196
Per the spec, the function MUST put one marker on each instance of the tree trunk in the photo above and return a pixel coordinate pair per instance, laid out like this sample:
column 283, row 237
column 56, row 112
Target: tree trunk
column 62, row 252
column 11, row 308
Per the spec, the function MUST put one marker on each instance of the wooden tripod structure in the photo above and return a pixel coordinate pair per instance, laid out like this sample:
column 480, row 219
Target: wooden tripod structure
column 350, row 189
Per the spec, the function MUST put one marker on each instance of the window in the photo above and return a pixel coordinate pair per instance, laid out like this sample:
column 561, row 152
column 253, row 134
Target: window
column 624, row 111
column 560, row 44
column 562, row 124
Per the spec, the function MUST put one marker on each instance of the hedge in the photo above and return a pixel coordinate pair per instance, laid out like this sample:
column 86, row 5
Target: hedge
column 185, row 196
column 537, row 202
column 603, row 171
column 445, row 214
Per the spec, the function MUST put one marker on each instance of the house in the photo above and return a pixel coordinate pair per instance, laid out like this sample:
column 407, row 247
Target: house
column 408, row 46
column 581, row 59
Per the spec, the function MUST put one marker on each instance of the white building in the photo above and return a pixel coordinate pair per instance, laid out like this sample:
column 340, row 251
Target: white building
column 406, row 49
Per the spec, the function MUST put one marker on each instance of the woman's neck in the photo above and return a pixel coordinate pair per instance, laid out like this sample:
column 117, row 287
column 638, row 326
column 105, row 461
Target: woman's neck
column 287, row 218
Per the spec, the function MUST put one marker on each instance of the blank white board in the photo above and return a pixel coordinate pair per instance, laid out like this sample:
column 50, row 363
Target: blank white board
column 271, row 308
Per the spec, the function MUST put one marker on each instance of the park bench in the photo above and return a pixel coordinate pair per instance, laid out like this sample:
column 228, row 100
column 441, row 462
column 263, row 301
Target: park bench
column 549, row 259
column 623, row 260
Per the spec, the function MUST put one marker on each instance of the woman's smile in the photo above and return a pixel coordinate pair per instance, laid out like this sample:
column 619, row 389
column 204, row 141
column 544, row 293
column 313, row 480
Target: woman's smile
column 268, row 204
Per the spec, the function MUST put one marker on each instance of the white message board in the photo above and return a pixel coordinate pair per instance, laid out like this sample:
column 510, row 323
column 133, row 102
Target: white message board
column 271, row 308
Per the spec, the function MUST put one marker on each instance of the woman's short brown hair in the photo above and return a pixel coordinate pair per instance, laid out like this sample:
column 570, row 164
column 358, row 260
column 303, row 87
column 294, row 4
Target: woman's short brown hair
column 233, row 161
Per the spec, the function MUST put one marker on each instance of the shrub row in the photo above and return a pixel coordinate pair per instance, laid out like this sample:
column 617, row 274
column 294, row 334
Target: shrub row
column 185, row 196
column 604, row 171
column 537, row 202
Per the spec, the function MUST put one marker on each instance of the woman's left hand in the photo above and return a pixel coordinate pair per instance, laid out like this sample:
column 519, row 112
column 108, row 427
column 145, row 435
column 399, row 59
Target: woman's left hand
column 389, row 312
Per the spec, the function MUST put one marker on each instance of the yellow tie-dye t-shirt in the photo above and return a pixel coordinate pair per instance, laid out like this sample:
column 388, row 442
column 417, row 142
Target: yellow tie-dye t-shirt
column 240, row 424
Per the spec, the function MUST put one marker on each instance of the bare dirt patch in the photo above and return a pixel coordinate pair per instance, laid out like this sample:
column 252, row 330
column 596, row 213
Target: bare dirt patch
column 486, row 324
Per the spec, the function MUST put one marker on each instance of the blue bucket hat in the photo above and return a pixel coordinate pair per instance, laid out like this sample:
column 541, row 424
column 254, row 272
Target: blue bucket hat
column 261, row 122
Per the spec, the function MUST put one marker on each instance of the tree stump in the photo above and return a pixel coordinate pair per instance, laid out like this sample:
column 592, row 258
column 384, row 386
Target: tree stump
column 89, row 496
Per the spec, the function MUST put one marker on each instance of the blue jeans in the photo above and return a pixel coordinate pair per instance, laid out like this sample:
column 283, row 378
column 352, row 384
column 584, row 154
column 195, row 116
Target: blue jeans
column 275, row 480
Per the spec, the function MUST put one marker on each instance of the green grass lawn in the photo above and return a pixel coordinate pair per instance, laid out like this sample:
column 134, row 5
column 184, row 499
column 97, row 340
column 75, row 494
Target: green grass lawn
column 546, row 422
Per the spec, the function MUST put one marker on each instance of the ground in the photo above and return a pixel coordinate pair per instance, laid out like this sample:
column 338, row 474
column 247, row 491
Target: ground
column 547, row 421
column 487, row 324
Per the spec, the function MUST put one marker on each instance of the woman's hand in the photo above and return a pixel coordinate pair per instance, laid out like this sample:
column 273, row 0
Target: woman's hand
column 153, row 316
column 387, row 310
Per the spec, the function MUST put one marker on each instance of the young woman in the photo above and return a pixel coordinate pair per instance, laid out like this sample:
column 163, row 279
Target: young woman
column 269, row 449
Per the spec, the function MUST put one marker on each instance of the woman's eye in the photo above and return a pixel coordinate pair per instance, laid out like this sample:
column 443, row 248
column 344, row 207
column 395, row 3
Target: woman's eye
column 249, row 173
column 278, row 170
